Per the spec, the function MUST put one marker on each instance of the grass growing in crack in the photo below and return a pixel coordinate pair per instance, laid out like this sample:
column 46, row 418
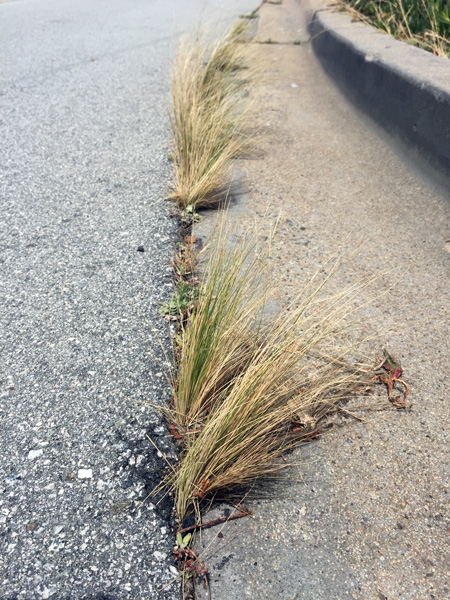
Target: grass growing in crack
column 248, row 389
column 424, row 23
column 207, row 113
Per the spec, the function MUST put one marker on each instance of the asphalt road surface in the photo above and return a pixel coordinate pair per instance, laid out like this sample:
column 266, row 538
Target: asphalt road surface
column 85, row 245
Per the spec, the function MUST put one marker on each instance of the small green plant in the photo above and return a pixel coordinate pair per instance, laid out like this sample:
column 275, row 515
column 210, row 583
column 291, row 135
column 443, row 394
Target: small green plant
column 297, row 42
column 188, row 561
column 182, row 301
column 271, row 41
column 183, row 542
column 190, row 213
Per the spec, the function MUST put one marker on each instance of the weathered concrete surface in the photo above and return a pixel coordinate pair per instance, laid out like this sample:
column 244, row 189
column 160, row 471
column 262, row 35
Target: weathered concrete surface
column 83, row 180
column 405, row 89
column 364, row 512
column 271, row 29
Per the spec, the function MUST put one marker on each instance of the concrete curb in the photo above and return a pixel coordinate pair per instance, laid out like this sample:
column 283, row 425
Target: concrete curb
column 405, row 89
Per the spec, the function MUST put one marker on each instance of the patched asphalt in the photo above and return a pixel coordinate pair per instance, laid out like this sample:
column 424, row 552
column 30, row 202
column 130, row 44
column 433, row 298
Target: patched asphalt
column 85, row 247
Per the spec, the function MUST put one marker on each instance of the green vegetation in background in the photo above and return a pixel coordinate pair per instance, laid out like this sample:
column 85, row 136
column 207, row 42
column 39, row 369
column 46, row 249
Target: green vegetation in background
column 424, row 23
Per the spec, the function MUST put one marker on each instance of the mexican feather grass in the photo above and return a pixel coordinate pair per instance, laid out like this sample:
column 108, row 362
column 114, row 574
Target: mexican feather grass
column 248, row 387
column 207, row 113
column 217, row 342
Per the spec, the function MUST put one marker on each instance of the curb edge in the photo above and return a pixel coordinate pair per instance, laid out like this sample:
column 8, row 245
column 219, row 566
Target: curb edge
column 404, row 89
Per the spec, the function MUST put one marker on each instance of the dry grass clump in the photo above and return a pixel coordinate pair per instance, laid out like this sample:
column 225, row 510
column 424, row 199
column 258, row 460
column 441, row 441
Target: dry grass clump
column 249, row 388
column 208, row 108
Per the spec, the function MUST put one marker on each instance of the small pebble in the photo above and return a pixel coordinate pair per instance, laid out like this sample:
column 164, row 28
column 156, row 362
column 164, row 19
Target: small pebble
column 32, row 454
column 85, row 474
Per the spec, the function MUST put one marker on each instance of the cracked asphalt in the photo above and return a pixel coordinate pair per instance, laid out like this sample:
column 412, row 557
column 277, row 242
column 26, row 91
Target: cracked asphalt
column 85, row 246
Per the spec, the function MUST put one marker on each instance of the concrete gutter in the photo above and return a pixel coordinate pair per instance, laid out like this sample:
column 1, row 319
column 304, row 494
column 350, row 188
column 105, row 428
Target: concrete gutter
column 405, row 89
